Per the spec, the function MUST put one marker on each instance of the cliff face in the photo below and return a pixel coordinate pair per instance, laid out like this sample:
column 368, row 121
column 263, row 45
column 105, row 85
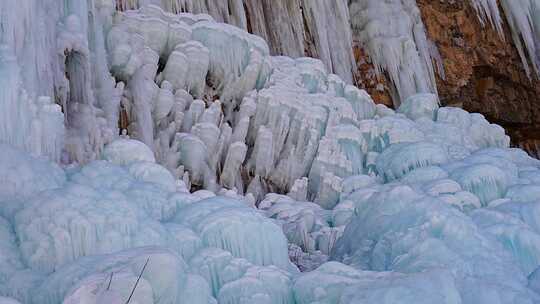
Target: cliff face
column 484, row 73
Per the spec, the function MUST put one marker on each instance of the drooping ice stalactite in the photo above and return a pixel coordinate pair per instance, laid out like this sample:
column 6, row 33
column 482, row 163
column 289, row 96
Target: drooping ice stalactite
column 488, row 12
column 87, row 125
column 35, row 124
column 285, row 24
column 394, row 36
column 202, row 64
column 523, row 17
column 59, row 49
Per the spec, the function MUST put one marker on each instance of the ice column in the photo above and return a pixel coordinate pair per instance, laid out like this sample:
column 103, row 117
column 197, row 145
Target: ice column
column 393, row 34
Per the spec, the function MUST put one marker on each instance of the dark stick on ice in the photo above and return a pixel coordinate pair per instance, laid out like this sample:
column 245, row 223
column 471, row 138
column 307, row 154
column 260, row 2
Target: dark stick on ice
column 137, row 282
column 110, row 281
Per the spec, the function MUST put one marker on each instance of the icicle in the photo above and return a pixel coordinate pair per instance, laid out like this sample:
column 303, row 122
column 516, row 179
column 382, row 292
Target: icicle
column 523, row 16
column 488, row 11
column 36, row 126
column 394, row 36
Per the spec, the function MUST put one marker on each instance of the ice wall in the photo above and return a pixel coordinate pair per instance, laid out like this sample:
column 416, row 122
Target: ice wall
column 35, row 124
column 393, row 34
column 293, row 28
column 59, row 54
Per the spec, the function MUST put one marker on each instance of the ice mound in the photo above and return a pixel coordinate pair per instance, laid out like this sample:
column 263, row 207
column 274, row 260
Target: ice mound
column 304, row 223
column 325, row 284
column 486, row 181
column 403, row 230
column 516, row 236
column 230, row 225
column 98, row 220
column 93, row 279
column 236, row 280
column 259, row 285
column 59, row 226
column 420, row 105
column 23, row 175
column 125, row 151
column 13, row 269
column 399, row 159
column 337, row 283
column 82, row 221
column 153, row 173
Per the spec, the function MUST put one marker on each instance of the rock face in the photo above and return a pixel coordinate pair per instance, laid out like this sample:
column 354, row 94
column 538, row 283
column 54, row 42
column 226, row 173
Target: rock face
column 484, row 73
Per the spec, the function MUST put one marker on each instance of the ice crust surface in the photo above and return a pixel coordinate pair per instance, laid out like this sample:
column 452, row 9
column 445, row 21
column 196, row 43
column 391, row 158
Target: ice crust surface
column 179, row 150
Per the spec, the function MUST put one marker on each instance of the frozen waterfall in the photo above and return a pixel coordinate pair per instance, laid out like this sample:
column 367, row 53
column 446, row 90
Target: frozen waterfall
column 150, row 151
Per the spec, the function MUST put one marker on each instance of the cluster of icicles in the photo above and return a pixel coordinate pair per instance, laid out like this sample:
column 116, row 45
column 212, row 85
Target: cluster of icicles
column 229, row 163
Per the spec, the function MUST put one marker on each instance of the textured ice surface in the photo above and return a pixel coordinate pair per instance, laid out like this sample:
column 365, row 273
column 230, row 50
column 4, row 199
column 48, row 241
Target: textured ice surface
column 125, row 151
column 227, row 224
column 59, row 52
column 324, row 23
column 4, row 300
column 420, row 105
column 34, row 124
column 164, row 279
column 23, row 176
column 217, row 111
column 393, row 34
column 424, row 204
column 412, row 233
column 337, row 283
column 64, row 243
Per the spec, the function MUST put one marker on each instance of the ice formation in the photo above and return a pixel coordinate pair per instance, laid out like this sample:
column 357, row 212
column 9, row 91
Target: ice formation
column 523, row 17
column 393, row 34
column 181, row 163
column 325, row 24
column 100, row 223
column 59, row 51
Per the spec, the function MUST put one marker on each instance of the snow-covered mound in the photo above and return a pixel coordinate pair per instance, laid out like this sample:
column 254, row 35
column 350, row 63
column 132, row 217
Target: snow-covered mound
column 287, row 163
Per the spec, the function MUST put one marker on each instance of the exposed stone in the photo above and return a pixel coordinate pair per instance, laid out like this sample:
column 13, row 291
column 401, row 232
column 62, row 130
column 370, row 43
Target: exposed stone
column 367, row 79
column 483, row 73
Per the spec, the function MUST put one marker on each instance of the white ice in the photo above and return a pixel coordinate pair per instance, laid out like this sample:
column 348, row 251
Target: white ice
column 393, row 35
column 287, row 163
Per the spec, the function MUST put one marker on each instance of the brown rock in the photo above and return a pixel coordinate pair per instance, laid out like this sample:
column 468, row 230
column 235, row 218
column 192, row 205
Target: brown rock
column 483, row 72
